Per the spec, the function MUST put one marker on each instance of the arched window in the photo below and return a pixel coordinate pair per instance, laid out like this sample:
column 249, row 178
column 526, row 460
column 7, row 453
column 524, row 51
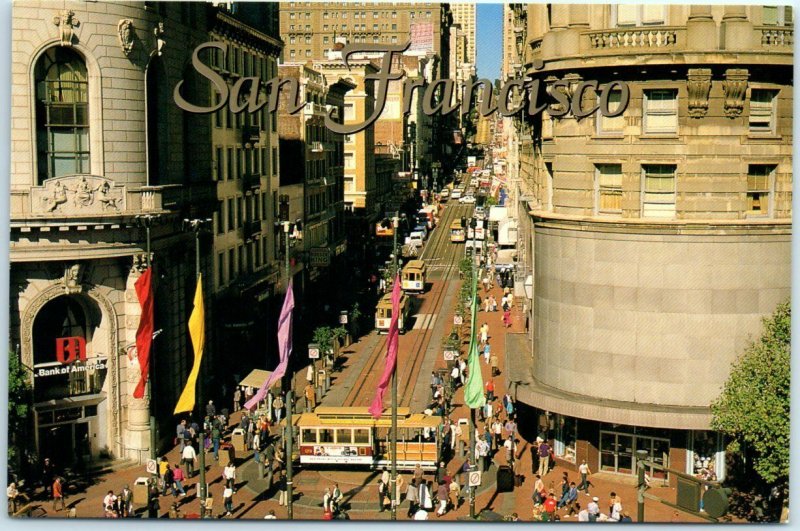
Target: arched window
column 62, row 114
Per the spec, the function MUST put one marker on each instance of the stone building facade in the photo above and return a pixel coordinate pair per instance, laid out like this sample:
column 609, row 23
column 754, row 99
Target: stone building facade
column 656, row 240
column 96, row 145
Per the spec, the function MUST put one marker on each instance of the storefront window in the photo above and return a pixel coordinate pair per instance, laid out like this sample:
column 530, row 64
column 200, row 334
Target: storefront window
column 566, row 436
column 706, row 457
column 619, row 444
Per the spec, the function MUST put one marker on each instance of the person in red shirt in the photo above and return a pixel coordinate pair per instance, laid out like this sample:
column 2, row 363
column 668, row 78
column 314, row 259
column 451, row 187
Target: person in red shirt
column 58, row 494
column 550, row 506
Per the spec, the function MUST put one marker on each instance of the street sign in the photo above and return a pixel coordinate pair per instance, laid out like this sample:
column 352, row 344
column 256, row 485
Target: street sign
column 152, row 466
column 343, row 318
column 458, row 320
column 313, row 352
column 474, row 479
column 450, row 355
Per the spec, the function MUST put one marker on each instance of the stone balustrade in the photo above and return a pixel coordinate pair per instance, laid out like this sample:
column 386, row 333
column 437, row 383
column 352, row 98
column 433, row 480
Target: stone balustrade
column 643, row 37
column 773, row 37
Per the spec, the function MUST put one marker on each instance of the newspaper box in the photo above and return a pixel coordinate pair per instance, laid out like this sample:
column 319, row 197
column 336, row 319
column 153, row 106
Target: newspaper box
column 226, row 454
column 237, row 440
column 140, row 494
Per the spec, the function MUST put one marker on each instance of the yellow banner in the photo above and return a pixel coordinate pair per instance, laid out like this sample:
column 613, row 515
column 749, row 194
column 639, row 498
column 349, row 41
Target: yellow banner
column 198, row 334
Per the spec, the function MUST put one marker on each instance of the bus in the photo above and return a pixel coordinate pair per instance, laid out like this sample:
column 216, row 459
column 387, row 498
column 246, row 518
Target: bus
column 413, row 276
column 350, row 436
column 383, row 313
column 457, row 233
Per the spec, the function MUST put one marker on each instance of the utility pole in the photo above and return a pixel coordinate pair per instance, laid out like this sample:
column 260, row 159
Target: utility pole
column 640, row 469
column 393, row 482
column 289, row 394
column 196, row 226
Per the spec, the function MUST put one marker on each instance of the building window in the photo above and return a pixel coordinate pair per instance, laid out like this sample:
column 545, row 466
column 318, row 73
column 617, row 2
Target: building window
column 394, row 27
column 616, row 124
column 219, row 164
column 608, row 188
column 762, row 110
column 291, row 53
column 291, row 16
column 292, row 40
column 325, row 39
column 231, row 215
column 274, row 161
column 349, row 161
column 394, row 14
column 638, row 15
column 776, row 15
column 394, row 39
column 220, row 217
column 221, row 269
column 308, row 53
column 661, row 111
column 308, row 39
column 759, row 187
column 658, row 198
column 62, row 114
column 231, row 265
column 349, row 112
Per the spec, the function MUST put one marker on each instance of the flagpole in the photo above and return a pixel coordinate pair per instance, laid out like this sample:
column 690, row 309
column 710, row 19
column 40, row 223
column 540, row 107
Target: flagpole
column 473, row 223
column 146, row 221
column 393, row 482
column 289, row 398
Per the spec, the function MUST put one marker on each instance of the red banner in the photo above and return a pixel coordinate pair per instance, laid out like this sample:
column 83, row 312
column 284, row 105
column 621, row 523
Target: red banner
column 144, row 334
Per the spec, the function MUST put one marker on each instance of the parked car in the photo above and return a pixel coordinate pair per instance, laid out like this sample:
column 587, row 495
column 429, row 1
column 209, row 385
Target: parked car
column 467, row 199
column 456, row 194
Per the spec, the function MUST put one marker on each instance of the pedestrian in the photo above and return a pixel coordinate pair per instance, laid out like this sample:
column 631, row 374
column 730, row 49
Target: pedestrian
column 336, row 498
column 237, row 399
column 544, row 458
column 455, row 493
column 484, row 333
column 211, row 410
column 583, row 514
column 229, row 475
column 585, row 472
column 189, row 457
column 425, row 499
column 383, row 496
column 110, row 500
column 310, row 375
column 271, row 515
column 594, row 509
column 569, row 498
column 490, row 389
column 282, row 489
column 441, row 472
column 277, row 407
column 326, row 500
column 152, row 503
column 163, row 464
column 269, row 460
column 385, row 476
column 507, row 318
column 48, row 475
column 168, row 479
column 227, row 500
column 216, row 436
column 443, row 494
column 539, row 492
column 497, row 431
column 487, row 352
column 311, row 398
column 455, row 377
column 510, row 448
column 493, row 363
column 57, row 489
column 12, row 494
column 613, row 501
column 177, row 480
column 126, row 501
column 550, row 505
column 174, row 512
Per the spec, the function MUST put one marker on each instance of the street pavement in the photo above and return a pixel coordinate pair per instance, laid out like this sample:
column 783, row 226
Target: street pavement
column 253, row 499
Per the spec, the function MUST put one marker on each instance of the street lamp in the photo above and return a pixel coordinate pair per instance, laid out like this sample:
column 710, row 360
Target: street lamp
column 641, row 455
column 393, row 482
column 196, row 226
column 146, row 221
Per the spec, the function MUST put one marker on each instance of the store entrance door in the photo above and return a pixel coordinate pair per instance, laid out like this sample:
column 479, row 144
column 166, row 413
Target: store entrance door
column 57, row 443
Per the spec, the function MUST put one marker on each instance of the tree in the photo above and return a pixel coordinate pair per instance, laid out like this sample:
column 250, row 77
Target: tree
column 753, row 407
column 19, row 409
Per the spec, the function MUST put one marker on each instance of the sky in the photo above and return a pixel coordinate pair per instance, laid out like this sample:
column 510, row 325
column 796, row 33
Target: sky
column 489, row 40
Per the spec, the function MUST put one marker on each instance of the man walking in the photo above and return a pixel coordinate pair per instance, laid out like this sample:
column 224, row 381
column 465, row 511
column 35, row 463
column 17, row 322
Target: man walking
column 282, row 489
column 585, row 472
column 181, row 434
column 189, row 457
column 177, row 478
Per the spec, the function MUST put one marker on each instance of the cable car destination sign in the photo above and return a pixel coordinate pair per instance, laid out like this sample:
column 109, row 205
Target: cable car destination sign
column 561, row 96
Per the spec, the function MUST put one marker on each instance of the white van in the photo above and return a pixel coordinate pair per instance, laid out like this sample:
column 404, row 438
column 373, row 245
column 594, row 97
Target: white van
column 415, row 238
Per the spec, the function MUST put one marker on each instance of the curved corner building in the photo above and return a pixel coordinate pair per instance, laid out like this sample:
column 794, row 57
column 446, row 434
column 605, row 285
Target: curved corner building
column 658, row 240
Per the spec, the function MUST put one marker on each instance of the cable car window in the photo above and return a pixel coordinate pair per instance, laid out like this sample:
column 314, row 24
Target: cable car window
column 308, row 435
column 344, row 436
column 360, row 436
column 325, row 435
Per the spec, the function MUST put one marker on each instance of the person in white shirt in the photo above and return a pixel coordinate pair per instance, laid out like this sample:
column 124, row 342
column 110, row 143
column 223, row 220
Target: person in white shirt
column 110, row 500
column 271, row 515
column 422, row 514
column 594, row 509
column 189, row 457
column 227, row 500
column 326, row 501
column 583, row 515
column 497, row 430
column 229, row 474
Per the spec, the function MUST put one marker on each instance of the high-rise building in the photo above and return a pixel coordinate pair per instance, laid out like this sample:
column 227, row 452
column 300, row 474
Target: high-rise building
column 464, row 17
column 653, row 242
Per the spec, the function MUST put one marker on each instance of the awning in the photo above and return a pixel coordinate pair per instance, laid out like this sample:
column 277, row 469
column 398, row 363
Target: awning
column 256, row 378
column 498, row 213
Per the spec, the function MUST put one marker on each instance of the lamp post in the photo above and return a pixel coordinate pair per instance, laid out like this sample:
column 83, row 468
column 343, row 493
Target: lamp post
column 146, row 221
column 473, row 225
column 196, row 226
column 393, row 482
column 289, row 395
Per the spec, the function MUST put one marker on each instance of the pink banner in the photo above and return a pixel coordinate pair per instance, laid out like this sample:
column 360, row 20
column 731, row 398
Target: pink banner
column 284, row 349
column 376, row 409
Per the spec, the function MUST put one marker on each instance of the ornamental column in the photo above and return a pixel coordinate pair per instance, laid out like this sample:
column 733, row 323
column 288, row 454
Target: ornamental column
column 737, row 31
column 701, row 31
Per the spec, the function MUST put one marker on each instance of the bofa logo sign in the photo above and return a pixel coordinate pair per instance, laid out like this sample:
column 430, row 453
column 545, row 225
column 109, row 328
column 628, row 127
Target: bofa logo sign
column 70, row 349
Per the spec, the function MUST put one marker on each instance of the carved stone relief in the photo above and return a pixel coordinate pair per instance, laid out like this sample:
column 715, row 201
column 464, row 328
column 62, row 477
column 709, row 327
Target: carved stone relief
column 77, row 194
column 735, row 87
column 126, row 33
column 66, row 23
column 73, row 275
column 158, row 32
column 698, row 86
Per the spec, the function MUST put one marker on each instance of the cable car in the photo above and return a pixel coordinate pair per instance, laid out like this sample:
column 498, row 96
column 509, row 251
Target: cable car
column 350, row 436
column 413, row 276
column 383, row 313
column 457, row 233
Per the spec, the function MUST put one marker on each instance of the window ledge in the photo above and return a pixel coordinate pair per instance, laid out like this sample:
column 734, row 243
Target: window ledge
column 659, row 136
column 609, row 136
column 764, row 136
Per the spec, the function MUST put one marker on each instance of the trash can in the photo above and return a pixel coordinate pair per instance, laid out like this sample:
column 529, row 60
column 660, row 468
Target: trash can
column 238, row 440
column 321, row 373
column 140, row 494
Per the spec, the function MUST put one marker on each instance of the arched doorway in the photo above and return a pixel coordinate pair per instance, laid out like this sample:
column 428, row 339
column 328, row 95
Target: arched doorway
column 69, row 376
